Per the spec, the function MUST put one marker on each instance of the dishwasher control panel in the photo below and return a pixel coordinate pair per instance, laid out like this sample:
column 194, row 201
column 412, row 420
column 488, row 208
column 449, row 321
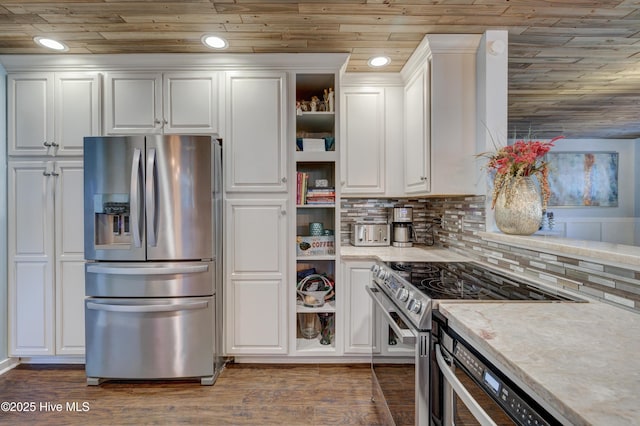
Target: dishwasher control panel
column 490, row 381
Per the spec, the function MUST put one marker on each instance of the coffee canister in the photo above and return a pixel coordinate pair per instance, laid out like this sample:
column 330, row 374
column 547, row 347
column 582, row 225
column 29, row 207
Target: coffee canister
column 316, row 229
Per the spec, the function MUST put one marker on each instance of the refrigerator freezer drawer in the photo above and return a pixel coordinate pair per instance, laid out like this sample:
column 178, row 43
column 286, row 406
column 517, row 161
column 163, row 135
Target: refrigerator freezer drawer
column 150, row 279
column 149, row 338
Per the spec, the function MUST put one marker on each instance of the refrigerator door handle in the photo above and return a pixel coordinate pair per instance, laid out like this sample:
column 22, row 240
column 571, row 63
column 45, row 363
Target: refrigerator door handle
column 147, row 308
column 169, row 270
column 135, row 197
column 150, row 191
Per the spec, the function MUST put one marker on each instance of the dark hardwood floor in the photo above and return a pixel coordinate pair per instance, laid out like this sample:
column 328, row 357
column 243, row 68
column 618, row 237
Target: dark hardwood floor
column 244, row 394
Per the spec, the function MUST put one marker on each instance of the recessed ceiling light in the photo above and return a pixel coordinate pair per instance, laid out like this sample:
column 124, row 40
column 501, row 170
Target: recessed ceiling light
column 50, row 43
column 214, row 42
column 379, row 61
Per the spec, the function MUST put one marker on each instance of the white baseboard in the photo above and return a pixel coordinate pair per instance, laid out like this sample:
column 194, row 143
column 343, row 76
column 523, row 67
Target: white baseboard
column 8, row 364
column 256, row 359
column 73, row 359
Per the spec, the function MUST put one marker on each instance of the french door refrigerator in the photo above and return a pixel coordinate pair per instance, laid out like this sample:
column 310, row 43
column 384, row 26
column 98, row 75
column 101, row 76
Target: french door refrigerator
column 152, row 245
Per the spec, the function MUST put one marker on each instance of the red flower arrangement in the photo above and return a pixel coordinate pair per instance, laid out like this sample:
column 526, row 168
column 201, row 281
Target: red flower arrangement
column 513, row 162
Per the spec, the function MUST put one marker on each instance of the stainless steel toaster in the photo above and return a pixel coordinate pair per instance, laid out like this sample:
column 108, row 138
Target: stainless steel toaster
column 370, row 234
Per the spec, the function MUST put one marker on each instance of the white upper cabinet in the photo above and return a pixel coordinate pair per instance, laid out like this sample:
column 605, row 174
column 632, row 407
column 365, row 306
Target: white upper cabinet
column 190, row 102
column 255, row 132
column 441, row 115
column 50, row 113
column 363, row 139
column 417, row 152
column 155, row 103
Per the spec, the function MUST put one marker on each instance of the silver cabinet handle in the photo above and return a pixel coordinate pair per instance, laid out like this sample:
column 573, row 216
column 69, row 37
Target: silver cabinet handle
column 55, row 174
column 156, row 121
column 462, row 392
column 46, row 174
column 283, row 212
column 423, row 178
column 124, row 270
column 47, row 144
column 283, row 180
column 55, row 145
column 147, row 308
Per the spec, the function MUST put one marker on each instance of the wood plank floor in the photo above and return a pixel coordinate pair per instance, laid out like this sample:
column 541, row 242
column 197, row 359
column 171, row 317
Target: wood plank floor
column 244, row 394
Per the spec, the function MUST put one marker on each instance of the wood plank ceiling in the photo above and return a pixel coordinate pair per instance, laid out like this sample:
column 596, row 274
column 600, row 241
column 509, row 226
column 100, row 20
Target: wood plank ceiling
column 574, row 65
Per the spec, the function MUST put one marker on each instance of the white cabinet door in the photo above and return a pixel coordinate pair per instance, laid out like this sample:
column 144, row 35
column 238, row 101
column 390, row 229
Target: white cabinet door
column 359, row 336
column 133, row 103
column 255, row 139
column 154, row 103
column 77, row 111
column 30, row 113
column 46, row 258
column 69, row 258
column 255, row 297
column 190, row 102
column 363, row 139
column 51, row 113
column 31, row 258
column 416, row 138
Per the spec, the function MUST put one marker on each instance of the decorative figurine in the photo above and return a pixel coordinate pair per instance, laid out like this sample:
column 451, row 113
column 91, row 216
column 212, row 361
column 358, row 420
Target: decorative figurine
column 331, row 99
column 314, row 103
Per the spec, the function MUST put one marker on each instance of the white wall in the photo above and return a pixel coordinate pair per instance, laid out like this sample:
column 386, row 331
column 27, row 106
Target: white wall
column 3, row 214
column 609, row 224
column 491, row 98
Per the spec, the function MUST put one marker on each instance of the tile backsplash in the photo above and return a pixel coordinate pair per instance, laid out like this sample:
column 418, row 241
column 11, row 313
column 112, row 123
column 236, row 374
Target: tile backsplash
column 454, row 223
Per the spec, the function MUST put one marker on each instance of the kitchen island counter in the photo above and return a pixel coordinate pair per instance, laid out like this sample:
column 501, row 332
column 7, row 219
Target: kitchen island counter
column 579, row 358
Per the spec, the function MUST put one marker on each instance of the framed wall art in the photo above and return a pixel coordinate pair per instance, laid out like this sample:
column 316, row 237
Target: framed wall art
column 583, row 179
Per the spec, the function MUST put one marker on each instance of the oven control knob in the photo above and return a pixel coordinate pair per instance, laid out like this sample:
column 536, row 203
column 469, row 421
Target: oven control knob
column 402, row 294
column 414, row 306
column 382, row 274
column 375, row 269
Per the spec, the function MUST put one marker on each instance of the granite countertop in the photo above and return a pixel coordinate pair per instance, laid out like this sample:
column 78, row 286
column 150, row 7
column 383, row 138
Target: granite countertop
column 581, row 359
column 397, row 254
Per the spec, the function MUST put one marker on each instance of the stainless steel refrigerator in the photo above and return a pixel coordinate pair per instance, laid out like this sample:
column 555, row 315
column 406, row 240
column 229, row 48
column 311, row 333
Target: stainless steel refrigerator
column 152, row 243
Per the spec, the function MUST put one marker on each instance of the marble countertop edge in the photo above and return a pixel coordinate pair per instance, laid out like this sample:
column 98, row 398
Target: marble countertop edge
column 601, row 252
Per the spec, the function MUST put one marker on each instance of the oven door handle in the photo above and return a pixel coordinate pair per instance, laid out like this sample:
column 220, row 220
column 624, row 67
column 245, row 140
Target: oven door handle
column 407, row 337
column 468, row 400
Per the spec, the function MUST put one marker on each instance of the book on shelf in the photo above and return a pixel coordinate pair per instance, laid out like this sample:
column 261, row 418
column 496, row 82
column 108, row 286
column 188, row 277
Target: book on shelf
column 321, row 200
column 302, row 180
column 322, row 195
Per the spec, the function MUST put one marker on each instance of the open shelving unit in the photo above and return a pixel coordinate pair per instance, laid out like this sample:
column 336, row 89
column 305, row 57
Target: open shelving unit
column 316, row 200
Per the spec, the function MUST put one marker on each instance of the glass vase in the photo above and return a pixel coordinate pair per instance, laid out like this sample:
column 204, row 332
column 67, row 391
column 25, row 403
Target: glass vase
column 523, row 214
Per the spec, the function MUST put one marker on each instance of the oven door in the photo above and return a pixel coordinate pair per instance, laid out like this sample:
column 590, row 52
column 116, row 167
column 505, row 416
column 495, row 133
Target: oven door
column 400, row 373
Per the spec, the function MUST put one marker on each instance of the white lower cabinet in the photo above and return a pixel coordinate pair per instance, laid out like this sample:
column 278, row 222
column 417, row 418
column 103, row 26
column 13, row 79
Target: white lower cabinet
column 255, row 259
column 359, row 337
column 46, row 258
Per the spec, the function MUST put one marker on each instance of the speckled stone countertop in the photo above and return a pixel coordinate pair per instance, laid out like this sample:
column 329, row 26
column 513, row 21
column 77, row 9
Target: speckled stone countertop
column 582, row 359
column 397, row 254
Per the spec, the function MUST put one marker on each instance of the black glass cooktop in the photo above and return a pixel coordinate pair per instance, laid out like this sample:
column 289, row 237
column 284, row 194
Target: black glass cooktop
column 467, row 280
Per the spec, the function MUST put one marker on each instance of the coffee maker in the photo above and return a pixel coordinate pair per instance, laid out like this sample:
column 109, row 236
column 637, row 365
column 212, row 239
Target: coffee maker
column 402, row 223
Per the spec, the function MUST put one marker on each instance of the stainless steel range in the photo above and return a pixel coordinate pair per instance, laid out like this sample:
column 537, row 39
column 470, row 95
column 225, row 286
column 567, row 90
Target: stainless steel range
column 406, row 296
